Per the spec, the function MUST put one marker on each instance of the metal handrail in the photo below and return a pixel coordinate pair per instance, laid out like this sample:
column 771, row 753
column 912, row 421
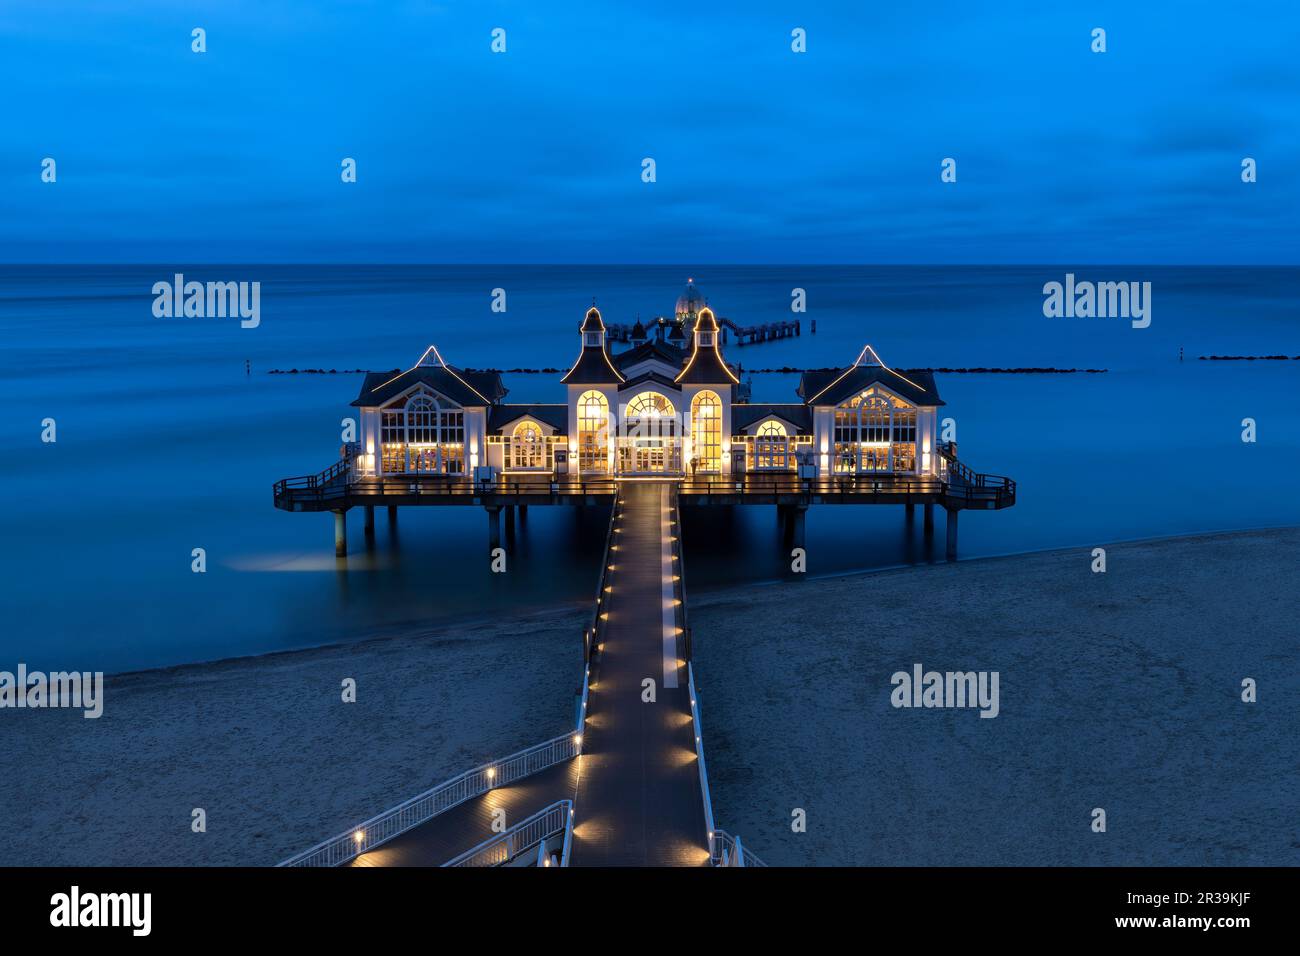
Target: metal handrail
column 420, row 809
column 591, row 637
column 699, row 755
column 731, row 853
column 523, row 836
column 326, row 487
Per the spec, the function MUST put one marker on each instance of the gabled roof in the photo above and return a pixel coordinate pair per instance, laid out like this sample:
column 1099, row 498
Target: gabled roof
column 651, row 349
column 706, row 366
column 653, row 378
column 830, row 386
column 745, row 415
column 557, row 416
column 466, row 388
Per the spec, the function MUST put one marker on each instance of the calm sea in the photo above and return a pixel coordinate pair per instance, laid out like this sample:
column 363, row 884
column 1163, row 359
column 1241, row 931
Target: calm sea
column 166, row 443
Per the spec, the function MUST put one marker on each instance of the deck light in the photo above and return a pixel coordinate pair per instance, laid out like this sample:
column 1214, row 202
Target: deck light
column 577, row 738
column 359, row 835
column 491, row 772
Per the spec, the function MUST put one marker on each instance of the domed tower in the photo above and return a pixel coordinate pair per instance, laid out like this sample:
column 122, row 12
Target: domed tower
column 689, row 302
column 638, row 332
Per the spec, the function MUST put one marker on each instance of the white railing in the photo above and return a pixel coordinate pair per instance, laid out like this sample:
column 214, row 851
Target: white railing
column 531, row 834
column 699, row 754
column 731, row 853
column 423, row 808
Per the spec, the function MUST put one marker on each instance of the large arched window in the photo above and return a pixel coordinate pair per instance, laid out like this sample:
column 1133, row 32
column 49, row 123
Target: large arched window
column 650, row 414
column 422, row 436
column 593, row 432
column 706, row 431
column 648, row 442
column 529, row 446
column 875, row 431
column 771, row 447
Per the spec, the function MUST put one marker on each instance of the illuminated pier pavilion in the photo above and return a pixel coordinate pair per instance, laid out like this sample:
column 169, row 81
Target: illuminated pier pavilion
column 669, row 407
column 642, row 431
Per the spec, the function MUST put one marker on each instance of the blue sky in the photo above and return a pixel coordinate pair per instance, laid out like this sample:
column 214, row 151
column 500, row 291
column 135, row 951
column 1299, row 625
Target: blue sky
column 763, row 155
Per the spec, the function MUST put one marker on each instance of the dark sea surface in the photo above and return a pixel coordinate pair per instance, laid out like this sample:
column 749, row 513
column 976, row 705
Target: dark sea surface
column 165, row 444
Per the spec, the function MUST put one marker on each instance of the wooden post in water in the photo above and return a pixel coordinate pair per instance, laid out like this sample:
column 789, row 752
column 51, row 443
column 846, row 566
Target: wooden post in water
column 797, row 514
column 494, row 526
column 951, row 552
column 370, row 522
column 929, row 521
column 340, row 534
column 392, row 515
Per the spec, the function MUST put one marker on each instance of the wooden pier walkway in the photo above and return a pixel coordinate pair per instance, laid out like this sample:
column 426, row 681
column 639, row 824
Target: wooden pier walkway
column 465, row 826
column 639, row 801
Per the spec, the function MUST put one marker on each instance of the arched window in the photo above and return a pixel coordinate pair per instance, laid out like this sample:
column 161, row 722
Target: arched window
column 648, row 442
column 650, row 413
column 771, row 448
column 423, row 435
column 529, row 445
column 875, row 431
column 593, row 432
column 706, row 431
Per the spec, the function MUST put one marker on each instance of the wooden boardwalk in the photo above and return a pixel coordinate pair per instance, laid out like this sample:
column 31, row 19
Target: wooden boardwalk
column 639, row 801
column 465, row 826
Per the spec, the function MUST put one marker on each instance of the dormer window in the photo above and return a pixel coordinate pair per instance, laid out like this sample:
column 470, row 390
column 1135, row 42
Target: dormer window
column 591, row 340
column 706, row 340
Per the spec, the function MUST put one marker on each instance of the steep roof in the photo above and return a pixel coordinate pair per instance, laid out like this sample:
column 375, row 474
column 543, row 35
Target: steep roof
column 464, row 387
column 706, row 365
column 557, row 416
column 745, row 415
column 830, row 386
column 593, row 366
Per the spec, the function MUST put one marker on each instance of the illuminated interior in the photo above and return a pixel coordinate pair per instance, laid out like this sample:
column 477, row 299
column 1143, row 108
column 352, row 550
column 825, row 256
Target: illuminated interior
column 593, row 432
column 875, row 432
column 649, row 443
column 706, row 432
column 423, row 437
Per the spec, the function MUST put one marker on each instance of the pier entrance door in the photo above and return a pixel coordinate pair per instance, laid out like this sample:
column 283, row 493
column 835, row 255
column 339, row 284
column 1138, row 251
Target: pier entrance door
column 649, row 443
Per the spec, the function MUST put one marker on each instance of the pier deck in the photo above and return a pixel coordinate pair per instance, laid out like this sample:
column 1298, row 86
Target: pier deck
column 980, row 492
column 639, row 800
column 465, row 826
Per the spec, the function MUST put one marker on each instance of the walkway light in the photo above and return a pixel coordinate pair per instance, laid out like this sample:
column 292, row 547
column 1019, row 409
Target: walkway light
column 577, row 738
column 359, row 836
column 491, row 773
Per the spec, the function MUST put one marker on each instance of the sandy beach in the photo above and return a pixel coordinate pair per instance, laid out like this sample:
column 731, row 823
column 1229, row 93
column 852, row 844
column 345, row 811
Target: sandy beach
column 1118, row 690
